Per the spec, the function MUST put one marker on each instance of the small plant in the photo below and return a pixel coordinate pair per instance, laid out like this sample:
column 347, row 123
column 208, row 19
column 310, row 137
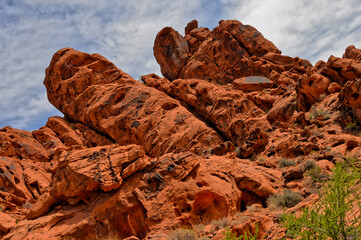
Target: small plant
column 221, row 223
column 1, row 209
column 314, row 151
column 229, row 235
column 17, row 221
column 285, row 199
column 322, row 96
column 238, row 151
column 283, row 162
column 198, row 228
column 314, row 113
column 308, row 165
column 27, row 205
column 240, row 218
column 66, row 238
column 252, row 208
column 260, row 158
column 317, row 174
column 328, row 149
column 205, row 238
column 351, row 125
column 333, row 216
column 233, row 236
column 183, row 234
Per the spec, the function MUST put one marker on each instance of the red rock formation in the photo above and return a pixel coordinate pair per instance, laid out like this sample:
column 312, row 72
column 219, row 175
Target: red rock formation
column 232, row 123
column 91, row 90
column 226, row 109
column 232, row 50
column 350, row 97
column 327, row 78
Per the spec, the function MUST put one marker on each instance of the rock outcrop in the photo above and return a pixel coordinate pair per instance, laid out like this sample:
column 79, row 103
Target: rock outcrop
column 231, row 123
column 230, row 51
column 91, row 90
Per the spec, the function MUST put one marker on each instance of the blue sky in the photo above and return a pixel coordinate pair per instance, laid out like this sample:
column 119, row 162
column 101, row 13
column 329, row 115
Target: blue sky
column 124, row 31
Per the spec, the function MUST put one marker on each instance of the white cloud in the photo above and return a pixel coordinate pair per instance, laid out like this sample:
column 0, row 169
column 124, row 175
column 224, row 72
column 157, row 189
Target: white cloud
column 124, row 31
column 309, row 29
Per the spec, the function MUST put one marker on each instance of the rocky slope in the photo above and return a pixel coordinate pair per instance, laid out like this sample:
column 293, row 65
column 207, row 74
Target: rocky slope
column 213, row 139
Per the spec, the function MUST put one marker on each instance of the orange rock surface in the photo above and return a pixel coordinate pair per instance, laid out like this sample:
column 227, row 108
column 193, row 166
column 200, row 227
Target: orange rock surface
column 231, row 122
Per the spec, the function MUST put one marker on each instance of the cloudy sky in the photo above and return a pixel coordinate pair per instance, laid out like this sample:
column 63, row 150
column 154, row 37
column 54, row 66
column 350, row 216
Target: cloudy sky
column 31, row 31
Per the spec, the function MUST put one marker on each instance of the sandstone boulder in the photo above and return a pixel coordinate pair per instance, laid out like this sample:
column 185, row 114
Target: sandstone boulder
column 21, row 144
column 252, row 83
column 91, row 90
column 230, row 51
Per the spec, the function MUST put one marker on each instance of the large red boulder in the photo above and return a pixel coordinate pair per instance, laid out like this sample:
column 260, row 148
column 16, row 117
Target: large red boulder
column 231, row 50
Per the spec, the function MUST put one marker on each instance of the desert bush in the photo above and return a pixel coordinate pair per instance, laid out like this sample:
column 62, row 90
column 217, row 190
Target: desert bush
column 328, row 149
column 233, row 236
column 317, row 174
column 351, row 125
column 283, row 162
column 240, row 218
column 308, row 165
column 183, row 234
column 252, row 208
column 287, row 198
column 27, row 205
column 221, row 223
column 314, row 113
column 238, row 151
column 322, row 96
column 199, row 228
column 333, row 216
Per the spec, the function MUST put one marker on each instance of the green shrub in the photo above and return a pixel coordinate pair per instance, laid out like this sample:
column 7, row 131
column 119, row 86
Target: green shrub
column 308, row 165
column 317, row 174
column 283, row 162
column 322, row 96
column 333, row 216
column 314, row 113
column 183, row 234
column 351, row 125
column 285, row 199
column 233, row 236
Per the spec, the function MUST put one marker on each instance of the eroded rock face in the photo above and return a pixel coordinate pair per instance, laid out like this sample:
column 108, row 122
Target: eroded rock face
column 179, row 189
column 82, row 172
column 233, row 122
column 91, row 90
column 327, row 78
column 232, row 50
column 21, row 144
column 227, row 109
column 174, row 51
column 350, row 96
